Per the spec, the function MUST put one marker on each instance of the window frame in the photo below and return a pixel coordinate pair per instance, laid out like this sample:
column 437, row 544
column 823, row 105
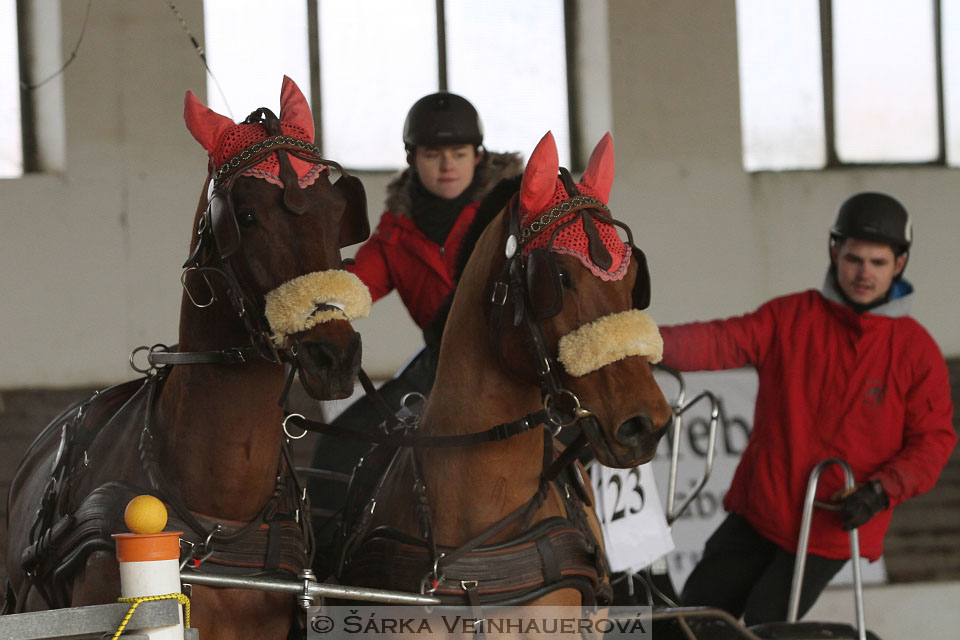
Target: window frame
column 571, row 10
column 832, row 159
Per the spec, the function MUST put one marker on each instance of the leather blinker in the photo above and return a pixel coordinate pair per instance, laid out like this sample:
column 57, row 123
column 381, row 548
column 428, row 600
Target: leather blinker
column 544, row 287
column 641, row 286
column 355, row 224
column 223, row 224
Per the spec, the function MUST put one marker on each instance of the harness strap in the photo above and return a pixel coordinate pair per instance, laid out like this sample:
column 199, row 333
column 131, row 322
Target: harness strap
column 235, row 355
column 381, row 405
column 548, row 557
column 169, row 493
column 513, row 571
column 527, row 509
column 497, row 433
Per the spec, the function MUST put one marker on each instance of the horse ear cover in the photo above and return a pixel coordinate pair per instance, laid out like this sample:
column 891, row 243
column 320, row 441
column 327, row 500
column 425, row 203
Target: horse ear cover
column 204, row 123
column 540, row 177
column 294, row 107
column 599, row 173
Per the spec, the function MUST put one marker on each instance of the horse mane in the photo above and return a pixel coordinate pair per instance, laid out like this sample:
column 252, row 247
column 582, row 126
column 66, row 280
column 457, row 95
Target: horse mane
column 489, row 208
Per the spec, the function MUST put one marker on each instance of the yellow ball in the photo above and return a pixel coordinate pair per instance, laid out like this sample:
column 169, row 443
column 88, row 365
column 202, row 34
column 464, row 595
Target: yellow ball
column 145, row 514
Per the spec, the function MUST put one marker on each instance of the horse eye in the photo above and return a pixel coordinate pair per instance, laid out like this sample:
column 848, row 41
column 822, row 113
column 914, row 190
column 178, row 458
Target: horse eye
column 246, row 217
column 565, row 279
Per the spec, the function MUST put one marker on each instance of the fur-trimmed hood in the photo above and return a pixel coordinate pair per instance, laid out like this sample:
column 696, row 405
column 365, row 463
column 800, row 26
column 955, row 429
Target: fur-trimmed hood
column 493, row 168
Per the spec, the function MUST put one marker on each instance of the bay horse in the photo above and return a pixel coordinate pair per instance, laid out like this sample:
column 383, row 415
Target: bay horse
column 264, row 291
column 545, row 332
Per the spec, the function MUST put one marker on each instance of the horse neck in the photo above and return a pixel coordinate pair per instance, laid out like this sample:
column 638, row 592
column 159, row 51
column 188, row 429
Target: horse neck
column 219, row 425
column 473, row 393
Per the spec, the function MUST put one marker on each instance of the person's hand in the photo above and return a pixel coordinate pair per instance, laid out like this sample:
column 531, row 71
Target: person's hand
column 861, row 504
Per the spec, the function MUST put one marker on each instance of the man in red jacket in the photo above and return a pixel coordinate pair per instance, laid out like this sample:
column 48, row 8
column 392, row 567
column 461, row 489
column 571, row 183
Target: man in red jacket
column 413, row 250
column 843, row 372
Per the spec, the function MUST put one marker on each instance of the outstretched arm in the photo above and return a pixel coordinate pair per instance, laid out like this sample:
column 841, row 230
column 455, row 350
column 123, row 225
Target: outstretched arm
column 719, row 344
column 370, row 265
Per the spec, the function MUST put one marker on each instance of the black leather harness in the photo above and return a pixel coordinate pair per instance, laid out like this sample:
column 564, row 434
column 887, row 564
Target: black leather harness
column 279, row 539
column 559, row 552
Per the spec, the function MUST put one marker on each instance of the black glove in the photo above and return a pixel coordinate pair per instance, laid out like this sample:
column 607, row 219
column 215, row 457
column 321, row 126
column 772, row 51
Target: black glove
column 863, row 504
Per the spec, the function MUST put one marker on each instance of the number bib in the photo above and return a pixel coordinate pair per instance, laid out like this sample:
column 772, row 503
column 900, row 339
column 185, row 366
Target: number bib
column 635, row 529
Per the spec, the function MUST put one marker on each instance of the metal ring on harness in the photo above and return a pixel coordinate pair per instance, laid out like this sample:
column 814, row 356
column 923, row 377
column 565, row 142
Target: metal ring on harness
column 434, row 578
column 578, row 411
column 412, row 395
column 287, row 433
column 186, row 289
column 150, row 370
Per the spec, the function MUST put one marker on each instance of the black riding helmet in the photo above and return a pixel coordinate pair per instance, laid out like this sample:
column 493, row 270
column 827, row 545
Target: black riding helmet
column 442, row 118
column 876, row 217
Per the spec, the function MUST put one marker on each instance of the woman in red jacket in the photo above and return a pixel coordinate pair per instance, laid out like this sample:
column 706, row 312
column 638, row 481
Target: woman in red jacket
column 413, row 250
column 843, row 372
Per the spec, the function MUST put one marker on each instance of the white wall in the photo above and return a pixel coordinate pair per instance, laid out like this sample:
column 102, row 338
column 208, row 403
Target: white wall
column 90, row 256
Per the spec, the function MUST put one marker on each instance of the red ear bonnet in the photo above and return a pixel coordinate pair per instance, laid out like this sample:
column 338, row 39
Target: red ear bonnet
column 294, row 108
column 543, row 197
column 205, row 124
column 540, row 176
column 223, row 139
column 599, row 174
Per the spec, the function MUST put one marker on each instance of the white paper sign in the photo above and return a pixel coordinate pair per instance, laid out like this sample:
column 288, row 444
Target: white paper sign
column 635, row 530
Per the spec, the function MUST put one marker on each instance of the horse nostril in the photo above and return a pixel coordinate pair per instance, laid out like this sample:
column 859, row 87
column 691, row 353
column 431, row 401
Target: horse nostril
column 321, row 355
column 631, row 431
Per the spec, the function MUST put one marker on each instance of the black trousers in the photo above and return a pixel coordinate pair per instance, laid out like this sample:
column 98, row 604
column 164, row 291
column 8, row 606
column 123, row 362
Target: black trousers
column 747, row 575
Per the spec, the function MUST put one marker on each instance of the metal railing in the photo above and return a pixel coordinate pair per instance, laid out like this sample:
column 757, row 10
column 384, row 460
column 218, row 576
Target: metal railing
column 91, row 622
column 800, row 563
column 306, row 589
column 679, row 408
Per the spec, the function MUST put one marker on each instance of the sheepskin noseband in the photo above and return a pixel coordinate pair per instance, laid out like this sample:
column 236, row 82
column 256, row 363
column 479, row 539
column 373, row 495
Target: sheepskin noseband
column 608, row 339
column 315, row 298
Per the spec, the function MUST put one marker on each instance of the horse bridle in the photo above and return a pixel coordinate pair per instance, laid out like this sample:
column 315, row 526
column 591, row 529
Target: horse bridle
column 523, row 284
column 219, row 239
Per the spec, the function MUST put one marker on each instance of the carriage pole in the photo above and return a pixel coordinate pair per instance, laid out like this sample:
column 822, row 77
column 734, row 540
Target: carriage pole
column 307, row 590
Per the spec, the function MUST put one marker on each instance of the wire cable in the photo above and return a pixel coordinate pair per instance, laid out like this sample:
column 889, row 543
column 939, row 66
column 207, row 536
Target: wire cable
column 70, row 58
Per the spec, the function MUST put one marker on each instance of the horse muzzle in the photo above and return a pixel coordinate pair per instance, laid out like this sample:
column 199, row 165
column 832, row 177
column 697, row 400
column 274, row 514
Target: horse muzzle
column 310, row 317
column 633, row 443
column 328, row 360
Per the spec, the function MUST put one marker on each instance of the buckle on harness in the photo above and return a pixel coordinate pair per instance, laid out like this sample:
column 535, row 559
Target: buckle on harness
column 500, row 292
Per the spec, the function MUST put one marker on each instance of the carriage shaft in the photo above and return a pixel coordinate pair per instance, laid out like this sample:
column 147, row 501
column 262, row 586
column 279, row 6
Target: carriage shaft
column 308, row 588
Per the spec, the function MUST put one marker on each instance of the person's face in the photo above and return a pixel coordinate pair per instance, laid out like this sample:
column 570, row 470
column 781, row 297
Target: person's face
column 865, row 270
column 448, row 170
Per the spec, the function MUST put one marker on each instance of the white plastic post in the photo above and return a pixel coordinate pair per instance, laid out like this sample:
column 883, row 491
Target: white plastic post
column 149, row 565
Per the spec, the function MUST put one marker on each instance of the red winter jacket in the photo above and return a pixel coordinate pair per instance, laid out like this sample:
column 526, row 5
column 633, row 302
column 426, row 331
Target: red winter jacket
column 400, row 256
column 868, row 388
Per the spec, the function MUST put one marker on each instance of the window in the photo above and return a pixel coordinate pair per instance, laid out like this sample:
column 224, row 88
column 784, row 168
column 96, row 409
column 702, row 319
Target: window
column 375, row 58
column 827, row 83
column 11, row 142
